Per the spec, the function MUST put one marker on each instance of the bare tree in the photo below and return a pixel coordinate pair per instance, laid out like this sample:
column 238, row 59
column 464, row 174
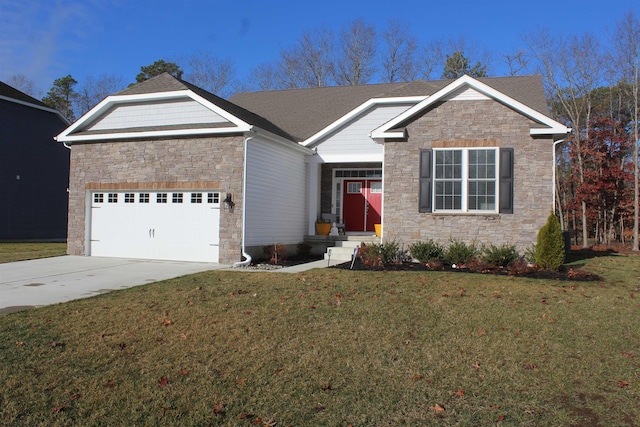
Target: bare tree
column 355, row 64
column 399, row 61
column 25, row 85
column 431, row 58
column 311, row 58
column 627, row 49
column 211, row 73
column 571, row 69
column 263, row 77
column 95, row 89
column 517, row 62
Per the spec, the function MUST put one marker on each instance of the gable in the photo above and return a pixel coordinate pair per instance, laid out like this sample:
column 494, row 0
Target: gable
column 156, row 115
column 464, row 89
column 351, row 140
column 164, row 106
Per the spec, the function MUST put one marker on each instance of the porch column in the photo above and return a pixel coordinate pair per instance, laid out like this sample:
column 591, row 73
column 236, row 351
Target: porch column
column 313, row 171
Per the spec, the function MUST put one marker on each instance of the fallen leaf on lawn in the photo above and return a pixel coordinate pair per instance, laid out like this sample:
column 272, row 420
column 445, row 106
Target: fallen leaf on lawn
column 501, row 417
column 57, row 409
column 622, row 384
column 437, row 409
column 257, row 421
column 19, row 343
column 56, row 344
column 269, row 423
column 531, row 367
column 76, row 396
column 482, row 333
column 218, row 409
column 319, row 408
column 416, row 377
column 163, row 381
column 460, row 393
column 476, row 365
column 167, row 322
column 244, row 416
column 628, row 355
column 241, row 381
column 109, row 384
column 184, row 336
column 277, row 371
column 184, row 371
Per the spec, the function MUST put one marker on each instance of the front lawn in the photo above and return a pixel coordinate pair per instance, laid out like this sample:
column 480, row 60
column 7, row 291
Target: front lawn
column 11, row 252
column 333, row 347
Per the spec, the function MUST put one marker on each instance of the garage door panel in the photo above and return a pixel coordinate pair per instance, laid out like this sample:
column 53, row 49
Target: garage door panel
column 159, row 228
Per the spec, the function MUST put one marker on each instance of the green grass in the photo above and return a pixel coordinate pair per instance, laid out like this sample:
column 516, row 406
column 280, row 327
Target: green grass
column 332, row 347
column 11, row 252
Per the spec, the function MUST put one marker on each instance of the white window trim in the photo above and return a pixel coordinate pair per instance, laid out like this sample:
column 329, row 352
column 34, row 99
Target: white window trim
column 465, row 181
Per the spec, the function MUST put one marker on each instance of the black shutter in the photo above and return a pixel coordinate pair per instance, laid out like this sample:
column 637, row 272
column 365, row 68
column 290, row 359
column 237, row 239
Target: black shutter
column 506, row 180
column 425, row 181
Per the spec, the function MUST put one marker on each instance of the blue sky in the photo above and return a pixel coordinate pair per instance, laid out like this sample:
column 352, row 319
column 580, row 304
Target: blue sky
column 48, row 39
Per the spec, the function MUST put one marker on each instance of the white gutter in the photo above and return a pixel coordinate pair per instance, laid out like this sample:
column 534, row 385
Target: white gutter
column 555, row 143
column 247, row 257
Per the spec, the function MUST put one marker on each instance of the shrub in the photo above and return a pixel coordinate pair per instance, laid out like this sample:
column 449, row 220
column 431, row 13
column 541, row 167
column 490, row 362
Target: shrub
column 371, row 255
column 549, row 252
column 459, row 252
column 275, row 253
column 376, row 254
column 426, row 251
column 500, row 256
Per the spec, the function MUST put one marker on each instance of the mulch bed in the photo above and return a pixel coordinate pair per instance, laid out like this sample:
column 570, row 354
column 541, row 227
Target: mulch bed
column 569, row 274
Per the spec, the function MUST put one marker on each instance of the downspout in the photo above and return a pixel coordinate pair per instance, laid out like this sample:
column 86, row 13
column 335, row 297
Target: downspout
column 247, row 257
column 555, row 144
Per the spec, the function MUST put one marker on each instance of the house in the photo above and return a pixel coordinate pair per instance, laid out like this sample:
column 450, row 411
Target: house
column 167, row 170
column 34, row 170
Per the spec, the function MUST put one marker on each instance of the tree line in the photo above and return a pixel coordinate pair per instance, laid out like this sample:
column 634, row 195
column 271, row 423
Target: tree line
column 591, row 85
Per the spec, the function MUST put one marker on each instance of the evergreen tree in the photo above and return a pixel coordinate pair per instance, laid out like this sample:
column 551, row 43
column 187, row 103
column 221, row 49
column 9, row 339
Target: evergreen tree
column 157, row 68
column 62, row 95
column 457, row 65
column 550, row 251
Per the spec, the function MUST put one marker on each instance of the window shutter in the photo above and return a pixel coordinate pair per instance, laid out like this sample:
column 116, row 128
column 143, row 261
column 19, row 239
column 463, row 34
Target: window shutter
column 426, row 194
column 506, row 180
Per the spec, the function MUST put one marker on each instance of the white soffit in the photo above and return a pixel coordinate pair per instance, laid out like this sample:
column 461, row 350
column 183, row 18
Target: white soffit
column 466, row 88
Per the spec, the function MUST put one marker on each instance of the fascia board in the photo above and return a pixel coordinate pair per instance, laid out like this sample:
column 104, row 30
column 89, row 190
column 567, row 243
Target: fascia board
column 356, row 112
column 383, row 131
column 38, row 107
column 151, row 134
column 113, row 100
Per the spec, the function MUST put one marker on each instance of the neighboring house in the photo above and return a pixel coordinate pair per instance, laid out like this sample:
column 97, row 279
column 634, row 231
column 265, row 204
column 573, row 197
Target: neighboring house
column 467, row 159
column 34, row 170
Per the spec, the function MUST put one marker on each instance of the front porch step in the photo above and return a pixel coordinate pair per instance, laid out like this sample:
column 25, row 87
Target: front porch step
column 343, row 249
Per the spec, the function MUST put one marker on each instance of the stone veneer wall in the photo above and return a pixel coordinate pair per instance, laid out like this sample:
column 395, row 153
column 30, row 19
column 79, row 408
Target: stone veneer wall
column 159, row 163
column 455, row 123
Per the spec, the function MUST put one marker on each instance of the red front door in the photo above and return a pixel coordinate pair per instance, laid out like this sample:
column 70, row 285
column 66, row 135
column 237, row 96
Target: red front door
column 362, row 204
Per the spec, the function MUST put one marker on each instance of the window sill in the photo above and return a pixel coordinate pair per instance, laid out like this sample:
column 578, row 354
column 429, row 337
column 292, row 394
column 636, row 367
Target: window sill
column 475, row 214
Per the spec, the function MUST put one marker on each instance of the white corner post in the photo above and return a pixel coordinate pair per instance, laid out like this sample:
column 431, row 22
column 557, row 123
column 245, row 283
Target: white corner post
column 313, row 193
column 553, row 174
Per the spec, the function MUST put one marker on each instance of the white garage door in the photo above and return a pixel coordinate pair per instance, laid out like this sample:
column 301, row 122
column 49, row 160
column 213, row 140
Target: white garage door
column 169, row 225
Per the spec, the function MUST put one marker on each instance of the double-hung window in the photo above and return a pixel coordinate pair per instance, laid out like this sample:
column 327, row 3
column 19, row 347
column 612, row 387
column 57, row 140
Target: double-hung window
column 465, row 180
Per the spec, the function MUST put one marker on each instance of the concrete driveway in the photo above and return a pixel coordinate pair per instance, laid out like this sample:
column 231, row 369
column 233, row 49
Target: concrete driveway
column 27, row 284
